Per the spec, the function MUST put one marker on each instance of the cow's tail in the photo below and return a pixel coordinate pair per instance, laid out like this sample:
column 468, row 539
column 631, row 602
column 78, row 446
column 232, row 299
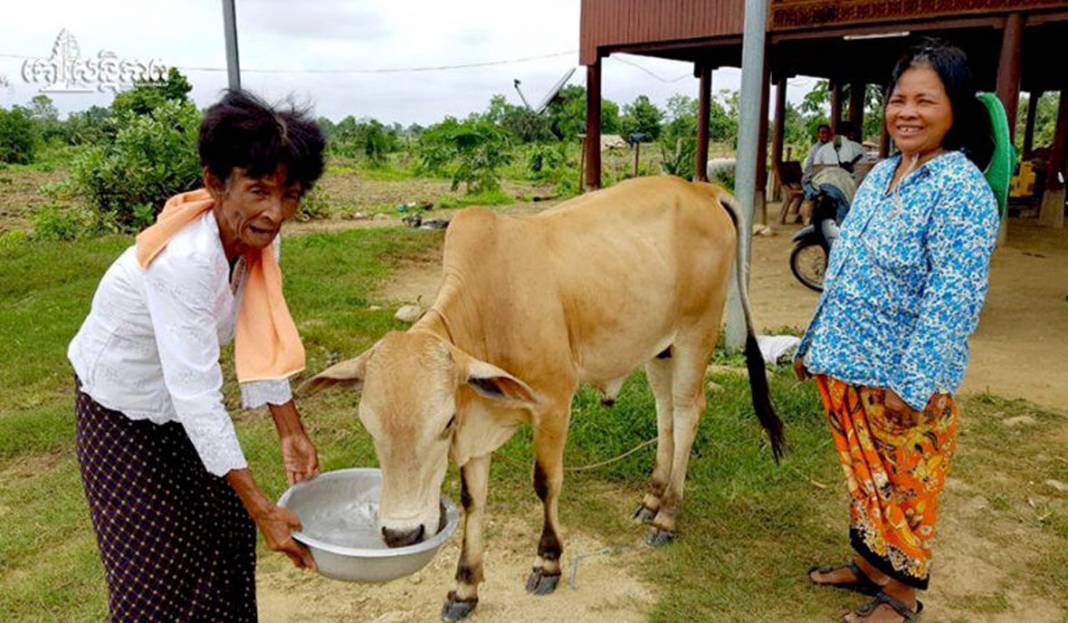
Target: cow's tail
column 754, row 360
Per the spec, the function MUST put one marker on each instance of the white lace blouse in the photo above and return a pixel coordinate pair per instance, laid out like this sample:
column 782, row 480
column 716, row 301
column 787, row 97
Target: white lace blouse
column 150, row 345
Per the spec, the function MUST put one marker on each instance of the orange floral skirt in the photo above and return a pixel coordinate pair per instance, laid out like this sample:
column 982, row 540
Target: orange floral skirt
column 895, row 468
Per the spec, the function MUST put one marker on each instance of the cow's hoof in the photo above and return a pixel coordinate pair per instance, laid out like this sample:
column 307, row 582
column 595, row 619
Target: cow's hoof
column 456, row 609
column 644, row 514
column 658, row 537
column 541, row 582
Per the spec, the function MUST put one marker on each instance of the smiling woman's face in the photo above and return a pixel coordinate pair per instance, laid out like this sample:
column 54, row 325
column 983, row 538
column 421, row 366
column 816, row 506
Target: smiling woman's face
column 250, row 211
column 919, row 113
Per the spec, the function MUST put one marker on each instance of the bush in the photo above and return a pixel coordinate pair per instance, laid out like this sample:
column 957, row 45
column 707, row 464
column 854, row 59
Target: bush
column 543, row 160
column 369, row 139
column 18, row 136
column 314, row 205
column 153, row 157
column 470, row 152
column 54, row 223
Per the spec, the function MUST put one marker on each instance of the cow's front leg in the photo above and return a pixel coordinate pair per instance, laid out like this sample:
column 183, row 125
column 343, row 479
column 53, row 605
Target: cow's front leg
column 474, row 484
column 550, row 435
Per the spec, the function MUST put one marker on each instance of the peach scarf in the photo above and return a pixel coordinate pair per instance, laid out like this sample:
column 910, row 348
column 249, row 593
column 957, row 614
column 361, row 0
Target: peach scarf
column 266, row 343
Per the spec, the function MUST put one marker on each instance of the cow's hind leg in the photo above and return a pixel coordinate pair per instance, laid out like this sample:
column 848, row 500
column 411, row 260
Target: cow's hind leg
column 689, row 360
column 550, row 435
column 474, row 485
column 658, row 372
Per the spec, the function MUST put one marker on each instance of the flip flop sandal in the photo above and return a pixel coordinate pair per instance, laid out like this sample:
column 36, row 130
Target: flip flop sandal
column 864, row 585
column 908, row 614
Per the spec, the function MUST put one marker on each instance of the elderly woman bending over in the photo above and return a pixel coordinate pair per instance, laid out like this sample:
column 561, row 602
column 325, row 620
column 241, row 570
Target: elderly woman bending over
column 173, row 503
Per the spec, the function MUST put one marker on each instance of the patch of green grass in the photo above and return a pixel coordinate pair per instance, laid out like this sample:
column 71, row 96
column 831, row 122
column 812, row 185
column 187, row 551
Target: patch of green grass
column 487, row 198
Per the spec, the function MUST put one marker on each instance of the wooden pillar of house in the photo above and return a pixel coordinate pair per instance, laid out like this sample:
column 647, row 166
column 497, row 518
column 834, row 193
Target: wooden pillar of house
column 856, row 106
column 1051, row 214
column 1009, row 67
column 836, row 105
column 760, row 200
column 593, row 125
column 1029, row 127
column 704, row 106
column 778, row 134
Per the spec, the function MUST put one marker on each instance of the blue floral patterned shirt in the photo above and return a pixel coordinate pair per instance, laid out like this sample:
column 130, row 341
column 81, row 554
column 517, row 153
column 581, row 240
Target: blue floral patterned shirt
column 906, row 280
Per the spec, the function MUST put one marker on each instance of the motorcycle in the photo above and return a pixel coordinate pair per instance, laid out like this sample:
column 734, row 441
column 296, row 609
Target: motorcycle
column 812, row 243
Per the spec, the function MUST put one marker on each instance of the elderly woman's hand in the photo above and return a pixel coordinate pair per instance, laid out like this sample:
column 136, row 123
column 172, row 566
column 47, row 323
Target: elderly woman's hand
column 300, row 458
column 277, row 525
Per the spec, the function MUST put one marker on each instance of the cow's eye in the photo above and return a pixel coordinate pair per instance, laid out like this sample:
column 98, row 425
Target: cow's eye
column 448, row 427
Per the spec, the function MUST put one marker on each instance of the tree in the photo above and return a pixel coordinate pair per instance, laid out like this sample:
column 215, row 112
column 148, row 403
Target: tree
column 18, row 135
column 145, row 97
column 470, row 151
column 567, row 114
column 642, row 116
column 46, row 117
column 89, row 127
column 1045, row 120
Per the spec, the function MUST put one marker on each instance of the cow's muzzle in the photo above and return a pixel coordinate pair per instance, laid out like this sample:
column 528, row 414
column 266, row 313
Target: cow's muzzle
column 402, row 538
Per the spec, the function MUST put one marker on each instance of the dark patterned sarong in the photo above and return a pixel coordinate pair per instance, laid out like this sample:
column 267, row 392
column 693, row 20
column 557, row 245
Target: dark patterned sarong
column 176, row 543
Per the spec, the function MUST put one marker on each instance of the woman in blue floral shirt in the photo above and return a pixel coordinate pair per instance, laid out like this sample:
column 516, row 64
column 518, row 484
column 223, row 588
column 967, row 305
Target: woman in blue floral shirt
column 888, row 342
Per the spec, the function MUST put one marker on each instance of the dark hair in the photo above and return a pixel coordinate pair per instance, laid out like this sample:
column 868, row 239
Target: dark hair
column 846, row 128
column 971, row 132
column 241, row 130
column 822, row 126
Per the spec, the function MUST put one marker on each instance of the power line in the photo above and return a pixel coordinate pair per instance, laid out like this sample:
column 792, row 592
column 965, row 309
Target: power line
column 649, row 71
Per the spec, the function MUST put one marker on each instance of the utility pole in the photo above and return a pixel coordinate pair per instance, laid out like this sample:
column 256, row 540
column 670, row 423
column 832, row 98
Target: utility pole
column 233, row 67
column 756, row 17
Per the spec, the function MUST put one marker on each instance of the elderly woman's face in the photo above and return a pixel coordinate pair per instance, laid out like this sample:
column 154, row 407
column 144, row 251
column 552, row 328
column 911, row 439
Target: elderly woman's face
column 918, row 113
column 250, row 211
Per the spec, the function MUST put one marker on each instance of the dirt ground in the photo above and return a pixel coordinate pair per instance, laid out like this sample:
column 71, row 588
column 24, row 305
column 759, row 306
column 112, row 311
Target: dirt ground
column 604, row 586
column 1019, row 350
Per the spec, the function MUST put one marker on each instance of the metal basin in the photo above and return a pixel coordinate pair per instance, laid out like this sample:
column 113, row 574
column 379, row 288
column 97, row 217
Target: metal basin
column 339, row 510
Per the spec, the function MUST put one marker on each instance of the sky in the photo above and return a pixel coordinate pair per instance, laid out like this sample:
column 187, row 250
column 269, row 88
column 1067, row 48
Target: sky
column 328, row 53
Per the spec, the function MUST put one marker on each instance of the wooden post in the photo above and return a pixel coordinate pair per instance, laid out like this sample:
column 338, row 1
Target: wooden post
column 1029, row 128
column 779, row 134
column 856, row 106
column 1051, row 214
column 593, row 125
column 760, row 200
column 704, row 105
column 1009, row 67
column 884, row 141
column 637, row 156
column 836, row 105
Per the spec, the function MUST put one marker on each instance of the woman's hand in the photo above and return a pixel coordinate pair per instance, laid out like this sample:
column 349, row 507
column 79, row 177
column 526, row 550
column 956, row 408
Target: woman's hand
column 277, row 525
column 299, row 457
column 897, row 407
column 800, row 370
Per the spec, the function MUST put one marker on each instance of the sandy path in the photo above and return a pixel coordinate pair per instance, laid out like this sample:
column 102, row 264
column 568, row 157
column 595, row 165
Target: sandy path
column 606, row 588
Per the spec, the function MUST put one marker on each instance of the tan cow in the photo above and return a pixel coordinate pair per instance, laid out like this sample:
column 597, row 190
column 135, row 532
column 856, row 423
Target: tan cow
column 530, row 307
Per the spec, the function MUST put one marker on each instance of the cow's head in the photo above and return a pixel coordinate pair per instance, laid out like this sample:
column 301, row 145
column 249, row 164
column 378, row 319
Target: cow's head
column 417, row 391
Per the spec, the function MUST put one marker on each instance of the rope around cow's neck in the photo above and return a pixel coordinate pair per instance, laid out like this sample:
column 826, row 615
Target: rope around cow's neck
column 583, row 468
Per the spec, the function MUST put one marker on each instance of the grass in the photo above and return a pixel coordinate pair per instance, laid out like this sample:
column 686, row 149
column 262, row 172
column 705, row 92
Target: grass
column 748, row 532
column 484, row 198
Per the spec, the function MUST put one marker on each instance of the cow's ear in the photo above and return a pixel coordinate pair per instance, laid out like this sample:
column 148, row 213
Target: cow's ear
column 494, row 383
column 350, row 372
